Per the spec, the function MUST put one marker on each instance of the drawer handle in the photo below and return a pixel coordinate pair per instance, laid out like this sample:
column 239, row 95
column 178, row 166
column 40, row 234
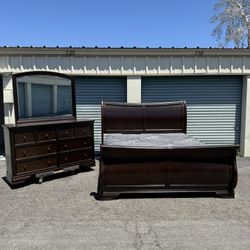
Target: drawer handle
column 46, row 136
column 48, row 149
column 24, row 167
column 24, row 153
column 24, row 138
column 49, row 163
column 65, row 145
column 85, row 143
column 85, row 155
column 65, row 158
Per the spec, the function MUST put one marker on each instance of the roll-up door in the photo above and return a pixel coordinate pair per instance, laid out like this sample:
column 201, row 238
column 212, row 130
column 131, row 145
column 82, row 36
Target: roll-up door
column 213, row 104
column 90, row 91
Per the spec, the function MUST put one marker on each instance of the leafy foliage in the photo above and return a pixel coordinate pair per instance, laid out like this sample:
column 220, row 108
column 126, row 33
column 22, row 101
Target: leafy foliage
column 232, row 18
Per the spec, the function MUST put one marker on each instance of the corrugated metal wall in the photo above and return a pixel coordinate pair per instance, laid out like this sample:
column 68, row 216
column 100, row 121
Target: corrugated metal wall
column 90, row 91
column 130, row 61
column 213, row 104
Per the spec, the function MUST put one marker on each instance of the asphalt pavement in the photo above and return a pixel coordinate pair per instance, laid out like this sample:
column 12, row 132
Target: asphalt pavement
column 62, row 213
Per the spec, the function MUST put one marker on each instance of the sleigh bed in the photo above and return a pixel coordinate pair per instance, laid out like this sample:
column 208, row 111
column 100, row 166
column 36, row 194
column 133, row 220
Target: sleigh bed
column 145, row 149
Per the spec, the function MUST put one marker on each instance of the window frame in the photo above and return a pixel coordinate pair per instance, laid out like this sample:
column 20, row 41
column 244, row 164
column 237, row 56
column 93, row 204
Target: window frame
column 19, row 120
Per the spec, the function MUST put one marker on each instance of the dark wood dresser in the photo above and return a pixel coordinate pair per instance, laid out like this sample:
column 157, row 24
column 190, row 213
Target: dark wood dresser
column 40, row 149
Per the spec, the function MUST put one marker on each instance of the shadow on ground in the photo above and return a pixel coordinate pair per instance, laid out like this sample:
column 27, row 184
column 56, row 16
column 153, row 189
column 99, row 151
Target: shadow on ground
column 48, row 178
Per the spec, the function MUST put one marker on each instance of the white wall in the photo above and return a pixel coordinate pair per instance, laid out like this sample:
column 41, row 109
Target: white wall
column 134, row 89
column 245, row 118
column 8, row 99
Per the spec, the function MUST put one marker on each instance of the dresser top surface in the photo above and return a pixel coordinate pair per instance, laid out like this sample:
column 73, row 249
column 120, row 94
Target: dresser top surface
column 48, row 123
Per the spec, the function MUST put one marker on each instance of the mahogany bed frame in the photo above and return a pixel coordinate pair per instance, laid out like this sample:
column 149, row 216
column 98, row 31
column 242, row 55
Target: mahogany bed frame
column 125, row 169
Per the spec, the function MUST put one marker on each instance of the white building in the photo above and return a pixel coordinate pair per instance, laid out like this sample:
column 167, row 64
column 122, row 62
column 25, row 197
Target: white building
column 214, row 82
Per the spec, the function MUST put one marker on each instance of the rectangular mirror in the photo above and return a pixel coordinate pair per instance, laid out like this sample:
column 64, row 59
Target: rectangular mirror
column 43, row 95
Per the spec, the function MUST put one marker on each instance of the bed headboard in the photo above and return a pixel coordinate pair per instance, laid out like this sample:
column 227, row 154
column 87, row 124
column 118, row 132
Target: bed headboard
column 164, row 117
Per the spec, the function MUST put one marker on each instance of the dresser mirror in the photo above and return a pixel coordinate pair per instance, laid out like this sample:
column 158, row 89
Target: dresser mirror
column 43, row 96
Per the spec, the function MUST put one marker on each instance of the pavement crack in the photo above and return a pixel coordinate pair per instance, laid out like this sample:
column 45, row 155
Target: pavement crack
column 155, row 237
column 144, row 233
column 138, row 238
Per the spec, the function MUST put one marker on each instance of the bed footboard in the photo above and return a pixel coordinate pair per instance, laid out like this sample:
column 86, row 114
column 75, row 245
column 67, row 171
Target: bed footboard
column 201, row 169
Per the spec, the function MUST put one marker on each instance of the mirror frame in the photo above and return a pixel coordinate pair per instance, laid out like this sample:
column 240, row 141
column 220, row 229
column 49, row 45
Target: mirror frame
column 45, row 118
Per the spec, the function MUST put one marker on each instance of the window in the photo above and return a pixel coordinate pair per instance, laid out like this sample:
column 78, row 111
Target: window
column 43, row 95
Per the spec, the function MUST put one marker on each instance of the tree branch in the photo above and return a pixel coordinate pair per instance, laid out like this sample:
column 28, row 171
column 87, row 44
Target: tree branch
column 237, row 4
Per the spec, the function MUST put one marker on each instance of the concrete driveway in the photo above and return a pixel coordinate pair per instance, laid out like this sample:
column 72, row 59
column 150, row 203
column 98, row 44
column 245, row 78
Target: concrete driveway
column 62, row 213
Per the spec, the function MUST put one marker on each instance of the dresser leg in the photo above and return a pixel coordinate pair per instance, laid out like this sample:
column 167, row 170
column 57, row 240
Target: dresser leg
column 18, row 183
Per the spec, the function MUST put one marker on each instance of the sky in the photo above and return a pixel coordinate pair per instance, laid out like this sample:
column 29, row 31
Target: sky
column 103, row 23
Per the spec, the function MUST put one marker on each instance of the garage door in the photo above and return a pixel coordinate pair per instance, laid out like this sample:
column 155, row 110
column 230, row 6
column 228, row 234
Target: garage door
column 213, row 104
column 90, row 91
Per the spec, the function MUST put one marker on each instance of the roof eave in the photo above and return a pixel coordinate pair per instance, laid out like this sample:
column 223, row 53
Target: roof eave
column 71, row 51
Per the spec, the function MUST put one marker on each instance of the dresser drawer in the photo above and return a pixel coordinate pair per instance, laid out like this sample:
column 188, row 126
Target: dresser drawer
column 75, row 156
column 43, row 135
column 82, row 131
column 33, row 165
column 75, row 144
column 36, row 150
column 66, row 132
column 24, row 137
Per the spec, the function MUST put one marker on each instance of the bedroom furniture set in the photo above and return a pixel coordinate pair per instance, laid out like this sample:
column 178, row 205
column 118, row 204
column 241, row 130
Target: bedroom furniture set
column 145, row 147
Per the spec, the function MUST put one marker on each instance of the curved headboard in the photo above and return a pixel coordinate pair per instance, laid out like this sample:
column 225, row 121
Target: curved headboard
column 163, row 117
